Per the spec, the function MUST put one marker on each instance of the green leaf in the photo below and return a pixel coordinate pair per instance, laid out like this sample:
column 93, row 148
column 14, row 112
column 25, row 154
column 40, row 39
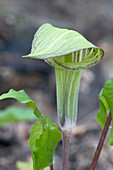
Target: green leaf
column 74, row 50
column 22, row 97
column 44, row 135
column 106, row 102
column 101, row 116
column 108, row 93
column 43, row 141
column 14, row 114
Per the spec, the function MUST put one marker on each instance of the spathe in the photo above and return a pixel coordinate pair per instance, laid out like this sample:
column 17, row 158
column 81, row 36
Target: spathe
column 69, row 52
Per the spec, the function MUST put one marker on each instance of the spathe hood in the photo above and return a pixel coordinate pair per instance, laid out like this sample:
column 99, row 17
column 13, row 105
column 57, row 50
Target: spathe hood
column 64, row 48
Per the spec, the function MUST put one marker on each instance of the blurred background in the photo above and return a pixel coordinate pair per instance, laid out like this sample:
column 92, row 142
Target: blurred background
column 19, row 20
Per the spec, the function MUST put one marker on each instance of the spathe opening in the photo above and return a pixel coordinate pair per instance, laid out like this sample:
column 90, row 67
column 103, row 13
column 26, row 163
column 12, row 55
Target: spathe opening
column 78, row 60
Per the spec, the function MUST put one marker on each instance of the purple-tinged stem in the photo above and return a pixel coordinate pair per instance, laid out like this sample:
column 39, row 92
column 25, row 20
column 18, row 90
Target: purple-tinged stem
column 101, row 142
column 51, row 167
column 66, row 139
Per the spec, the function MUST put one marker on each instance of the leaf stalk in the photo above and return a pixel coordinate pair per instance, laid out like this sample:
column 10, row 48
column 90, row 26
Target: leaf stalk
column 51, row 167
column 101, row 142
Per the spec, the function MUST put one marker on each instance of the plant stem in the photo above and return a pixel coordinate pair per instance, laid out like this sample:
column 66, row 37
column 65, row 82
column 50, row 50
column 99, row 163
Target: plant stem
column 51, row 167
column 66, row 139
column 101, row 142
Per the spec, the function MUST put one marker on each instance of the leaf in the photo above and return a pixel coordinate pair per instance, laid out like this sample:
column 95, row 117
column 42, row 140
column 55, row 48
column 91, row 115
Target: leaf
column 106, row 102
column 22, row 97
column 43, row 142
column 14, row 114
column 77, row 53
column 44, row 135
column 101, row 116
column 108, row 93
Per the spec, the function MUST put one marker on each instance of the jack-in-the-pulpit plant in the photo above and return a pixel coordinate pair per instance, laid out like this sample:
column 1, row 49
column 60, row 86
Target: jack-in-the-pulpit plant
column 69, row 52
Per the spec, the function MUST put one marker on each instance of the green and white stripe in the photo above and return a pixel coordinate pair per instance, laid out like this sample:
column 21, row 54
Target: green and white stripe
column 67, row 82
column 78, row 60
column 50, row 42
column 69, row 52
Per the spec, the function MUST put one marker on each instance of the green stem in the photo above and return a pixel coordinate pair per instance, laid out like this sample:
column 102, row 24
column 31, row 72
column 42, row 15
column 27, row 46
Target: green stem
column 66, row 139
